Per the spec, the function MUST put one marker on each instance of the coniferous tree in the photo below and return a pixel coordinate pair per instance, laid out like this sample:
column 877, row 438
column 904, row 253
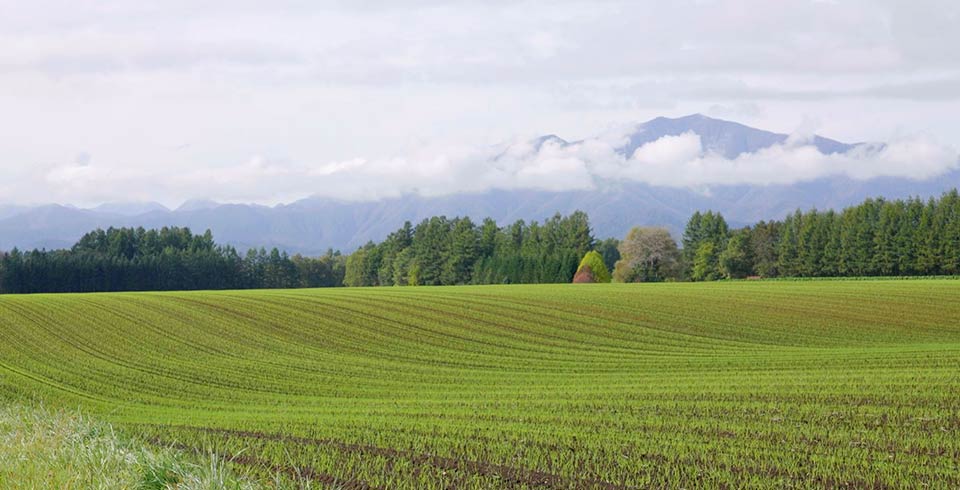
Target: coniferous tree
column 704, row 228
column 128, row 259
column 765, row 242
column 608, row 249
column 927, row 240
column 788, row 249
column 462, row 255
column 593, row 261
column 706, row 263
column 949, row 222
column 736, row 261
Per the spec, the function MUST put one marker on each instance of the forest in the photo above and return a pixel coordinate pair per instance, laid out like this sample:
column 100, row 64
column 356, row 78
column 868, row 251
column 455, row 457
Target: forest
column 878, row 237
column 441, row 251
column 134, row 259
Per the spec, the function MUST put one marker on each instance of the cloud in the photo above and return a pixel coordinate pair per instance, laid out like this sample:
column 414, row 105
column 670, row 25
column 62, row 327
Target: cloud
column 670, row 161
column 681, row 161
column 83, row 159
column 735, row 111
column 285, row 99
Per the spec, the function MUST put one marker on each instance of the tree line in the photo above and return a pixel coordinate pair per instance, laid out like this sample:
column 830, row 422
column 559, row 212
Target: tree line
column 442, row 251
column 171, row 258
column 875, row 238
column 878, row 237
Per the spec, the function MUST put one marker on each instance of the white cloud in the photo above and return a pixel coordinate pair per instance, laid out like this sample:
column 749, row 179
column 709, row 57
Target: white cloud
column 793, row 161
column 309, row 86
column 670, row 161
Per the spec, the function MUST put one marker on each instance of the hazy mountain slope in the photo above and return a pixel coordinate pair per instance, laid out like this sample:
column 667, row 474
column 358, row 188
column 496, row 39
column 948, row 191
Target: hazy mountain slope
column 8, row 210
column 50, row 226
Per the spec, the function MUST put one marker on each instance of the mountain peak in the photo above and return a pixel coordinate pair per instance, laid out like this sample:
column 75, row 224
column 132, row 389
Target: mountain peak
column 686, row 119
column 697, row 117
column 549, row 138
column 728, row 138
column 132, row 208
column 198, row 205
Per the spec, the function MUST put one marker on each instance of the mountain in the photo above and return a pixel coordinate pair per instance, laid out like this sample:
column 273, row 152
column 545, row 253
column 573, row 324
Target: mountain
column 198, row 205
column 312, row 225
column 727, row 138
column 129, row 208
column 9, row 210
column 50, row 226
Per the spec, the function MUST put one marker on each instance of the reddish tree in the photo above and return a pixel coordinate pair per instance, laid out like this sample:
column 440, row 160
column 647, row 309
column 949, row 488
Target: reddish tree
column 584, row 275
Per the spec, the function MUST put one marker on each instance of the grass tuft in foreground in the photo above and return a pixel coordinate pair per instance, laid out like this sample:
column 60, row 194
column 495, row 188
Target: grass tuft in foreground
column 44, row 448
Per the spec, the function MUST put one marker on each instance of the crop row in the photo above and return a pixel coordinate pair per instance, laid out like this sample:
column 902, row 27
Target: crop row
column 739, row 385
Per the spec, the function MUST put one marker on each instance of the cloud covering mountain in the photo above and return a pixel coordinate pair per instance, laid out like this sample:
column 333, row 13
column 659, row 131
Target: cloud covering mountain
column 692, row 152
column 654, row 173
column 271, row 102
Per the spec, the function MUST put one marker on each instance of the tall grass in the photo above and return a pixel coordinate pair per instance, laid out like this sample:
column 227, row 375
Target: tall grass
column 43, row 448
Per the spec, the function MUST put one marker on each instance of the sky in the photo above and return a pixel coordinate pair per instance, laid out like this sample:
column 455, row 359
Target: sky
column 269, row 102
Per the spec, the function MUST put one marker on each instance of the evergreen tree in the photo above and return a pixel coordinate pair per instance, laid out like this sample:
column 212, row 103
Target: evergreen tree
column 830, row 258
column 765, row 242
column 885, row 259
column 594, row 262
column 693, row 236
column 704, row 228
column 706, row 263
column 431, row 245
column 609, row 251
column 736, row 260
column 463, row 252
column 949, row 224
column 134, row 259
column 927, row 241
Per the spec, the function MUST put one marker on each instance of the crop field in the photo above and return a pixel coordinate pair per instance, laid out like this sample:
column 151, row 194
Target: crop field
column 820, row 384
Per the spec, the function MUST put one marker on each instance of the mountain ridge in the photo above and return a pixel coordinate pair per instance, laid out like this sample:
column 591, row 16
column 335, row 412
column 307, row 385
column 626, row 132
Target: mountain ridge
column 314, row 224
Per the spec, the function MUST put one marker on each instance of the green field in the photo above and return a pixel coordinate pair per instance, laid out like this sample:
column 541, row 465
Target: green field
column 842, row 384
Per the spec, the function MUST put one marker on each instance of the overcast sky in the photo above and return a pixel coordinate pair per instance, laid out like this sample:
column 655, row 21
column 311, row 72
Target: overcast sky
column 272, row 101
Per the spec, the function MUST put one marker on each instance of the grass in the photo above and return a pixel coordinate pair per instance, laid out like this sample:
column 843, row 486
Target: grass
column 836, row 384
column 44, row 448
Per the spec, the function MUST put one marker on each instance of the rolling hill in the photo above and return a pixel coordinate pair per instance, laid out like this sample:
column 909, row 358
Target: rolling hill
column 817, row 384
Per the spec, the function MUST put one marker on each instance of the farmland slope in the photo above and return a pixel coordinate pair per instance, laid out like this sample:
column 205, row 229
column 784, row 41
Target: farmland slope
column 803, row 384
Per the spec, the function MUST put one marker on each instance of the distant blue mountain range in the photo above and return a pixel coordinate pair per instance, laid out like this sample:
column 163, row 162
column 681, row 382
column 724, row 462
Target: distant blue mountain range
column 313, row 225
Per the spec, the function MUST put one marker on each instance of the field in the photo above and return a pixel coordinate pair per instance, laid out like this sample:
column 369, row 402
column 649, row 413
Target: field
column 836, row 384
